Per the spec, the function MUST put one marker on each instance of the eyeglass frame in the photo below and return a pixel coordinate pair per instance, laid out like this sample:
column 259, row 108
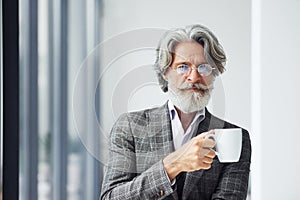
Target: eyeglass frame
column 193, row 67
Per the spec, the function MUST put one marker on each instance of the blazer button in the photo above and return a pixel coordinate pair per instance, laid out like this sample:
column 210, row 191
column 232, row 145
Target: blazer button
column 160, row 194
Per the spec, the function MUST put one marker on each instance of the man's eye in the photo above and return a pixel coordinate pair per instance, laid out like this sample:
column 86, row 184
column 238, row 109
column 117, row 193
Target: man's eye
column 204, row 68
column 183, row 67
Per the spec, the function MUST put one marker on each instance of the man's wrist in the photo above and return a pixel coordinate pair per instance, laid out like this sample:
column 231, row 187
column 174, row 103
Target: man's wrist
column 171, row 168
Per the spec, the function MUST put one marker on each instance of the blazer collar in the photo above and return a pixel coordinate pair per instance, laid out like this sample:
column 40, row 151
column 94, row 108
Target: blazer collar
column 210, row 122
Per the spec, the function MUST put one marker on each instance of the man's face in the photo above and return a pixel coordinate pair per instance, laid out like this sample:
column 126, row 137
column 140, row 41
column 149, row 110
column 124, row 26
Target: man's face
column 189, row 92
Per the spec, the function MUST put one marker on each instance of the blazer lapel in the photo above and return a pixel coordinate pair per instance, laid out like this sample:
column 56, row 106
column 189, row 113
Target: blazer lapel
column 160, row 130
column 210, row 122
column 159, row 119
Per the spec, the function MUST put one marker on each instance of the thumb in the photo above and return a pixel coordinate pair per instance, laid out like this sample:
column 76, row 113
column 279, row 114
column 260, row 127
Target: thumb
column 205, row 134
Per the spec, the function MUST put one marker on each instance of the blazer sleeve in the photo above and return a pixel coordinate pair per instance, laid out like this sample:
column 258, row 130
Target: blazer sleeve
column 121, row 180
column 233, row 182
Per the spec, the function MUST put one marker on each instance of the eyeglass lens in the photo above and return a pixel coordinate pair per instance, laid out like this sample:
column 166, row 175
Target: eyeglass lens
column 203, row 69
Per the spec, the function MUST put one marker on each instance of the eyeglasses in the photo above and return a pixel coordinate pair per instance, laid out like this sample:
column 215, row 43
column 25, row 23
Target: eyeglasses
column 203, row 69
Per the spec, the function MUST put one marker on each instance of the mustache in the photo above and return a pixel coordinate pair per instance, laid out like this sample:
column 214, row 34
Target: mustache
column 199, row 86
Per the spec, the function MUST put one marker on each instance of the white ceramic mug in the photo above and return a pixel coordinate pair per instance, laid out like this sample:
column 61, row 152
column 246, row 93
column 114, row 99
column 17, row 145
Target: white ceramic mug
column 228, row 144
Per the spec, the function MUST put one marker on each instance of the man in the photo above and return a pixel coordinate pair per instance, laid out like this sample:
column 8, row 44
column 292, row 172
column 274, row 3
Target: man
column 164, row 152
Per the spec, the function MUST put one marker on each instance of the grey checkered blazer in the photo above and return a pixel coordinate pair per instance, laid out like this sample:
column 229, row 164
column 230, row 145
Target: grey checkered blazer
column 138, row 143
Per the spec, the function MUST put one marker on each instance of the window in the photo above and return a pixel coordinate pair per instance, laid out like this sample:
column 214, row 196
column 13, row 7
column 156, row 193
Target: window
column 55, row 38
column 1, row 105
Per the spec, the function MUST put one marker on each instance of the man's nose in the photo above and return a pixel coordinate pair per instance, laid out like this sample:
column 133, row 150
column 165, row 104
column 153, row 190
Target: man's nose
column 194, row 76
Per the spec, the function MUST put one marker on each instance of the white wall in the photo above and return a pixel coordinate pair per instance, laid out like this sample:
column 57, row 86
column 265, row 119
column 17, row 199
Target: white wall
column 279, row 102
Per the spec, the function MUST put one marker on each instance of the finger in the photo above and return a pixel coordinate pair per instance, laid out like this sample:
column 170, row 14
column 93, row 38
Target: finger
column 207, row 160
column 204, row 152
column 208, row 143
column 211, row 154
column 207, row 152
column 204, row 134
column 205, row 165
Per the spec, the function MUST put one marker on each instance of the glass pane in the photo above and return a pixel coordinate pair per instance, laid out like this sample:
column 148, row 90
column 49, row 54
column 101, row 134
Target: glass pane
column 82, row 166
column 44, row 133
column 80, row 35
column 1, row 132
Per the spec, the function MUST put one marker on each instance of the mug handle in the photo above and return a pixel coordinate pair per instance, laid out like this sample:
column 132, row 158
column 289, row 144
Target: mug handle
column 212, row 137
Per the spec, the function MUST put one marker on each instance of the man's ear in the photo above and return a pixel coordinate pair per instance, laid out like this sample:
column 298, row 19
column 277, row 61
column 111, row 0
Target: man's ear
column 165, row 77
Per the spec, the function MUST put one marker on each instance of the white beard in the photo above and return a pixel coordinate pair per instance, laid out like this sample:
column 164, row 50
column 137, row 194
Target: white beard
column 188, row 102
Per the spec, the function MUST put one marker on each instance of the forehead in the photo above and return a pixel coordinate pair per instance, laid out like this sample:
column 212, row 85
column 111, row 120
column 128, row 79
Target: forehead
column 189, row 52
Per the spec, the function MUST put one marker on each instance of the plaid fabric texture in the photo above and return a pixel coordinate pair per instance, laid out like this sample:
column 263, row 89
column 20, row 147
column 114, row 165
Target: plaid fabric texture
column 138, row 143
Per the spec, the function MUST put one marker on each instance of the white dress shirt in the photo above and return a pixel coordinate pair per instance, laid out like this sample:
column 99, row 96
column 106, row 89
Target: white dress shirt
column 179, row 136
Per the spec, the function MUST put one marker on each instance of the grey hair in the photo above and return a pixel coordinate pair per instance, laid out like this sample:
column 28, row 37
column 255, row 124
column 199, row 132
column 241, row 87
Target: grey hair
column 213, row 51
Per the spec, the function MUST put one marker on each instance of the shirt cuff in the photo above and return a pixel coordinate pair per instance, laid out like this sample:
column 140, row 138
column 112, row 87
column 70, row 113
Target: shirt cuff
column 171, row 182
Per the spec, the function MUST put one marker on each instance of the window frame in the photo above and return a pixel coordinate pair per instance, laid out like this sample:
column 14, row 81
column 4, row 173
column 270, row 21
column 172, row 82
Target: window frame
column 10, row 13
